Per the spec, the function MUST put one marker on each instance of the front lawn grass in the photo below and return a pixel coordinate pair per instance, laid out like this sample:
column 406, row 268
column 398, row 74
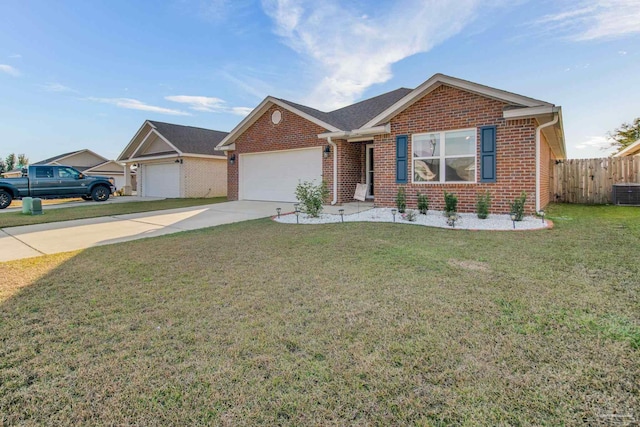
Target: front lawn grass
column 343, row 324
column 12, row 219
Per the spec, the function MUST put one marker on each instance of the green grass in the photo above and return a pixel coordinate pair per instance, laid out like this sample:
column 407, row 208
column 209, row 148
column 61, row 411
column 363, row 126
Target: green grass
column 12, row 219
column 343, row 324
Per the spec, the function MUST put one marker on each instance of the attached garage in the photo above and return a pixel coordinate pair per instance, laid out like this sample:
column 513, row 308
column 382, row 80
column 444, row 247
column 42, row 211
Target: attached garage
column 273, row 176
column 161, row 180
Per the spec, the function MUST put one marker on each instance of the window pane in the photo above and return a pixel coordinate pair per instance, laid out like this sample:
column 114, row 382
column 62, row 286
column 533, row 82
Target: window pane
column 460, row 169
column 426, row 170
column 427, row 145
column 460, row 143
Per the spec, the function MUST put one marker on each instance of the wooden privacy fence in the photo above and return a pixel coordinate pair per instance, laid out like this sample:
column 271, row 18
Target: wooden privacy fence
column 591, row 180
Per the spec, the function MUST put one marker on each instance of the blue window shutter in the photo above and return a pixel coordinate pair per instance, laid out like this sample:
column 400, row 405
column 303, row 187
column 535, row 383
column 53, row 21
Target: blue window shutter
column 488, row 154
column 402, row 147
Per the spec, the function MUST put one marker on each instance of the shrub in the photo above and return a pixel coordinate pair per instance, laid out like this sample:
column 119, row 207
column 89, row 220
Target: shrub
column 311, row 197
column 517, row 206
column 483, row 204
column 409, row 215
column 423, row 203
column 401, row 200
column 450, row 203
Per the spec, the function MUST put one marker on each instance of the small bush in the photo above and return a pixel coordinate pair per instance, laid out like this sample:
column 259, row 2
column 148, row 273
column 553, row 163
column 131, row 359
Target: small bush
column 423, row 203
column 311, row 197
column 483, row 204
column 401, row 200
column 517, row 206
column 410, row 215
column 450, row 203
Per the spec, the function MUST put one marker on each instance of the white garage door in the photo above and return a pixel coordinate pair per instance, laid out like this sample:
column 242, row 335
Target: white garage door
column 274, row 176
column 161, row 180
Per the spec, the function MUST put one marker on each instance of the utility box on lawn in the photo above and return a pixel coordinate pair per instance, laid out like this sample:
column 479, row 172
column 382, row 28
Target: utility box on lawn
column 36, row 208
column 27, row 205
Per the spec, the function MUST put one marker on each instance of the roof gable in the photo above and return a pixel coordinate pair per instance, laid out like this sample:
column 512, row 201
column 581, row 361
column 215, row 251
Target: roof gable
column 83, row 158
column 515, row 100
column 109, row 166
column 346, row 118
column 174, row 139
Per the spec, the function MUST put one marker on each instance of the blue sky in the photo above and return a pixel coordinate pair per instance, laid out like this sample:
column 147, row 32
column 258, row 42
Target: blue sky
column 86, row 74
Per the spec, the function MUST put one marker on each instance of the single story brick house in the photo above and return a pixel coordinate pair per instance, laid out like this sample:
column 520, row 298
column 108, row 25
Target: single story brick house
column 447, row 134
column 175, row 161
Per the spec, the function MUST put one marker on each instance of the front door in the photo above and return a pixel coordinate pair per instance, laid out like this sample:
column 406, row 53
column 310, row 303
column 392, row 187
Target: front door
column 369, row 170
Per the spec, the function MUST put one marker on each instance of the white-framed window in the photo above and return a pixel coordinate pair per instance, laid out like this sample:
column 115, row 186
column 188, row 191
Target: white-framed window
column 438, row 157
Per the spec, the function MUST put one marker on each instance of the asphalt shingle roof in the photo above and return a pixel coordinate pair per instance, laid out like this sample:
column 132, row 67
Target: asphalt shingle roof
column 191, row 140
column 354, row 116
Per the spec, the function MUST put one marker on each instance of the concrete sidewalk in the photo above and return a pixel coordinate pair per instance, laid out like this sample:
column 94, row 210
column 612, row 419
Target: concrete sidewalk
column 43, row 239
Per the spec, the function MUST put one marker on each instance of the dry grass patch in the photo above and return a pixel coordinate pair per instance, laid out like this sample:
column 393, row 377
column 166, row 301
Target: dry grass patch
column 343, row 324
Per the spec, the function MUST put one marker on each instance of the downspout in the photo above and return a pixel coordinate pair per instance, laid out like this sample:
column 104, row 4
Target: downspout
column 538, row 132
column 335, row 171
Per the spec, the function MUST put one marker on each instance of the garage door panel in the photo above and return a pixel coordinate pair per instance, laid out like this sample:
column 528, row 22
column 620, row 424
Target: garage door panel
column 162, row 180
column 274, row 176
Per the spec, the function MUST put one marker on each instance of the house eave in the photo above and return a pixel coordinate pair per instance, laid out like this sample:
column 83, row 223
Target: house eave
column 357, row 133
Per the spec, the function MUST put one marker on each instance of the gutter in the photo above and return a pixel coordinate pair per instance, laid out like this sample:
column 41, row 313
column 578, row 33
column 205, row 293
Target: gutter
column 335, row 170
column 377, row 130
column 556, row 116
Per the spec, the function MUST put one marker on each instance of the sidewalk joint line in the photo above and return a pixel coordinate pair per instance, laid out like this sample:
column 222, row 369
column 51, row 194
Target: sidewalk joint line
column 23, row 242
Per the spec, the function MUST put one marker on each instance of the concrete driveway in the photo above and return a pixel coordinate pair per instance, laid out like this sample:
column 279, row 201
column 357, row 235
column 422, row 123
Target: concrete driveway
column 44, row 239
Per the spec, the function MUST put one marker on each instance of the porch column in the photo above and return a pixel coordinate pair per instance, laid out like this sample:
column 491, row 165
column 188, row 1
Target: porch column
column 127, row 180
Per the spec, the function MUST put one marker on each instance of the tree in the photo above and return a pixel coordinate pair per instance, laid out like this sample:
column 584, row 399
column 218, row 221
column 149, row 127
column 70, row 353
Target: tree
column 23, row 161
column 3, row 166
column 10, row 161
column 625, row 135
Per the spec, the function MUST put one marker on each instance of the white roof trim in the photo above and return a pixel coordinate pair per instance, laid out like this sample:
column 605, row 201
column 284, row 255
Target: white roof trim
column 257, row 113
column 628, row 149
column 146, row 122
column 518, row 113
column 357, row 133
column 175, row 156
column 142, row 142
column 229, row 147
column 439, row 79
column 102, row 164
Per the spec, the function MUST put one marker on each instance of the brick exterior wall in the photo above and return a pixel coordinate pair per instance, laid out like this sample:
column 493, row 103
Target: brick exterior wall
column 204, row 177
column 448, row 108
column 292, row 132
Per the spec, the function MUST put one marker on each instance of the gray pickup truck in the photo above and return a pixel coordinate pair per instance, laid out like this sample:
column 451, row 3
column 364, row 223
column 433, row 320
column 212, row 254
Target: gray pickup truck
column 55, row 182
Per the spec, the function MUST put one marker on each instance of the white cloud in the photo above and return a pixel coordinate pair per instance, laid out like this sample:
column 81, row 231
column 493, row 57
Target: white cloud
column 356, row 50
column 600, row 142
column 56, row 87
column 8, row 69
column 199, row 103
column 15, row 56
column 622, row 52
column 241, row 111
column 134, row 104
column 595, row 19
column 208, row 104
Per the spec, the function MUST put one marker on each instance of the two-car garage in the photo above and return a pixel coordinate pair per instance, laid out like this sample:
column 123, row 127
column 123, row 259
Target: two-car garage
column 274, row 175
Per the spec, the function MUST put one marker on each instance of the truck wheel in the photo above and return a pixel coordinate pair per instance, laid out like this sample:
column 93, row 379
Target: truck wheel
column 5, row 199
column 100, row 193
column 87, row 198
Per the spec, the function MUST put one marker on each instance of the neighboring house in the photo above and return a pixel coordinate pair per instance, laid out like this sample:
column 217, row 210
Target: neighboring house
column 85, row 161
column 447, row 134
column 176, row 161
column 111, row 169
column 630, row 150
